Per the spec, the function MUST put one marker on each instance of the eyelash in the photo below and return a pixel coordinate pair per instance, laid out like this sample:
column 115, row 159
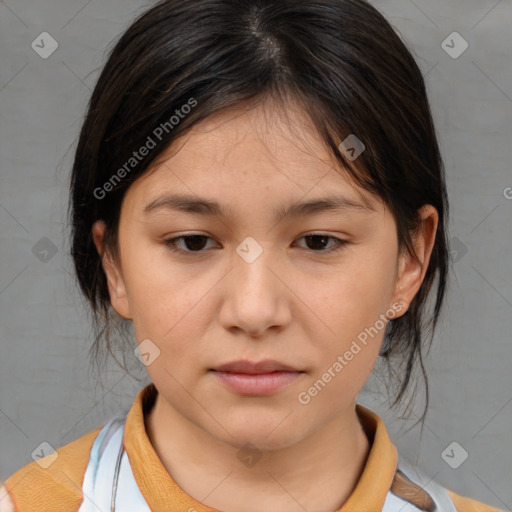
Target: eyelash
column 339, row 243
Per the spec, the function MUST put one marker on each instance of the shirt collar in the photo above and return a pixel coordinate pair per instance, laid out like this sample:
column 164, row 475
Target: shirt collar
column 163, row 493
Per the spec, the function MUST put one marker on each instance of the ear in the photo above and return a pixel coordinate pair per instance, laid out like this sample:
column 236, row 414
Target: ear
column 411, row 272
column 116, row 285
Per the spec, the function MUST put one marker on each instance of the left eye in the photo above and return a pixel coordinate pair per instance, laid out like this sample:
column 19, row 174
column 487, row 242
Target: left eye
column 195, row 243
column 321, row 239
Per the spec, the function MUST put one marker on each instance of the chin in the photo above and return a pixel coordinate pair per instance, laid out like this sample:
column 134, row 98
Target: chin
column 268, row 433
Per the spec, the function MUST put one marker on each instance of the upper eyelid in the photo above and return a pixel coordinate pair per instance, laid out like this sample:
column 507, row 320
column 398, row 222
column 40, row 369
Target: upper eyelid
column 308, row 233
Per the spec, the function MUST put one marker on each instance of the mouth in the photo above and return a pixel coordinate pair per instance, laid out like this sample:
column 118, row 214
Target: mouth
column 254, row 368
column 263, row 378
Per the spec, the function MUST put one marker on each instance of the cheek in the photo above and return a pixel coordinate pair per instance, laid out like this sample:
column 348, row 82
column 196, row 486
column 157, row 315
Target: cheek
column 349, row 303
column 348, row 299
column 167, row 302
column 345, row 360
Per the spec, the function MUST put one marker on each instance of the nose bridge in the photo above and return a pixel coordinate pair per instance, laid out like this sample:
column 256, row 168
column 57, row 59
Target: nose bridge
column 252, row 265
column 253, row 300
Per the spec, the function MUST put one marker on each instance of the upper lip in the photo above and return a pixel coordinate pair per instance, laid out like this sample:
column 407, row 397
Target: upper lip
column 245, row 366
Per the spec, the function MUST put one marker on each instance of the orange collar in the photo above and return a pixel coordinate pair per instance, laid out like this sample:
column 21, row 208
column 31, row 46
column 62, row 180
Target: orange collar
column 163, row 493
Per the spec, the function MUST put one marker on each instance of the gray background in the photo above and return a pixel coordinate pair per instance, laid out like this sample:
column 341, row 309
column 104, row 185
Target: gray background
column 48, row 391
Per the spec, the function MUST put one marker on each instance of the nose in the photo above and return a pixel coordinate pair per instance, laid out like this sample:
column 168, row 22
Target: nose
column 256, row 298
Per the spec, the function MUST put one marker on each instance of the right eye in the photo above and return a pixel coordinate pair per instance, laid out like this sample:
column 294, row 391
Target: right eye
column 193, row 243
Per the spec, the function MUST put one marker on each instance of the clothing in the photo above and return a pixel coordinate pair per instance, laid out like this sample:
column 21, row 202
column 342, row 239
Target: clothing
column 81, row 478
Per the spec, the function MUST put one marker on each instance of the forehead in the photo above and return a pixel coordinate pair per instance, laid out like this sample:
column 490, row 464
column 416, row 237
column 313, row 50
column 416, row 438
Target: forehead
column 248, row 134
column 260, row 149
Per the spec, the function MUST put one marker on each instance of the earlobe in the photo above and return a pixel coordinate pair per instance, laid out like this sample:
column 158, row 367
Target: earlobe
column 115, row 281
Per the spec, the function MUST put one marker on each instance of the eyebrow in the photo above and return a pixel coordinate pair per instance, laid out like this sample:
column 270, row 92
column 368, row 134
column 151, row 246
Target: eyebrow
column 202, row 206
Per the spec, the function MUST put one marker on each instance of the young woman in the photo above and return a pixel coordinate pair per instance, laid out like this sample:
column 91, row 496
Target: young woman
column 258, row 189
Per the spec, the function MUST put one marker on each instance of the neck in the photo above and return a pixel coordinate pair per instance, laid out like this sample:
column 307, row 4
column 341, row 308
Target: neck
column 317, row 474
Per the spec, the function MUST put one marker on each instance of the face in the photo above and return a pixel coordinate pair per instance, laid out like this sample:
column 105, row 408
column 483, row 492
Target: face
column 310, row 289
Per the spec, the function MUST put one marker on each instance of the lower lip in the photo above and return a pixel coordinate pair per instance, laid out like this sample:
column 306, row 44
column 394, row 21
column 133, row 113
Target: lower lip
column 261, row 384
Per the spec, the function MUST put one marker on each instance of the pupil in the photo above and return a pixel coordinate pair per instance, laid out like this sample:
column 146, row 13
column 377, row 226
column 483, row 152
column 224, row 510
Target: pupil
column 323, row 238
column 190, row 242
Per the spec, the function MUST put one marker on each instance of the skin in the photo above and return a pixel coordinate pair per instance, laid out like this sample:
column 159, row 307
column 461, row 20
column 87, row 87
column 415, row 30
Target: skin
column 295, row 303
column 6, row 504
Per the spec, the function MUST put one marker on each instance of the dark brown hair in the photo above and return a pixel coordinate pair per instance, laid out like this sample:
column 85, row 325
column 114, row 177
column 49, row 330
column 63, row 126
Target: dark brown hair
column 340, row 60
